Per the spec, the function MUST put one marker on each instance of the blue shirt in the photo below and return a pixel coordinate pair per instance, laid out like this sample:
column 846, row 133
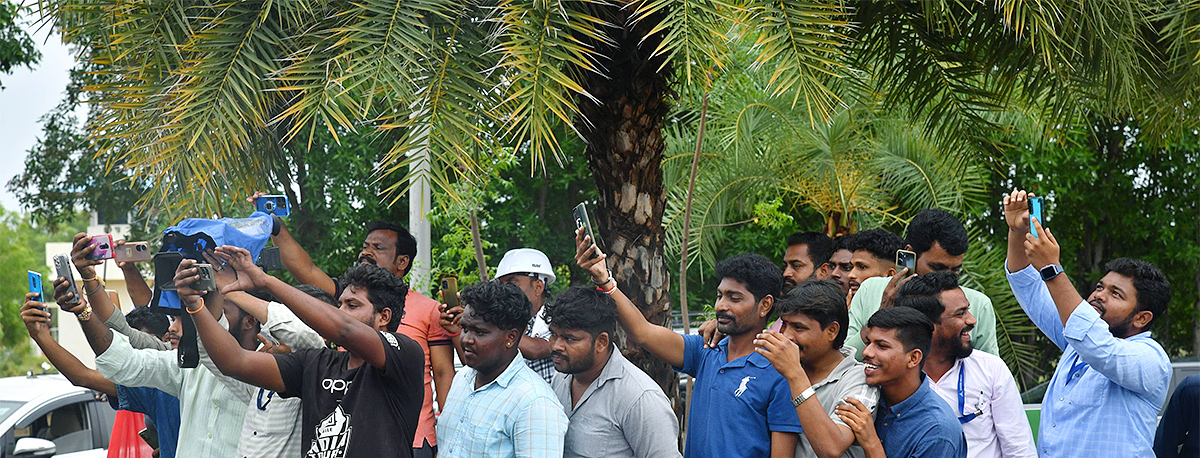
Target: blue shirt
column 1106, row 391
column 515, row 415
column 921, row 426
column 735, row 404
column 162, row 408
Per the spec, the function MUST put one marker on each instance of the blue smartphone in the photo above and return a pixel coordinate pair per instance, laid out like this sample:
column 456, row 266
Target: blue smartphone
column 35, row 284
column 1035, row 211
column 273, row 205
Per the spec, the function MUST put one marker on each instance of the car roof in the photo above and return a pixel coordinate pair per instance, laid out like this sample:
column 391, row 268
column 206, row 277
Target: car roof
column 28, row 388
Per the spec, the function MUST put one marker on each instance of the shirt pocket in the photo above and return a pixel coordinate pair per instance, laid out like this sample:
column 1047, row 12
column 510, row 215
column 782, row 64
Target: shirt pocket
column 1086, row 390
column 980, row 429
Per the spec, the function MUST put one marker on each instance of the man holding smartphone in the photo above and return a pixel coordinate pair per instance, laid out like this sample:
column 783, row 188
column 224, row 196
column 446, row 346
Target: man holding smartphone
column 1104, row 397
column 393, row 248
column 940, row 242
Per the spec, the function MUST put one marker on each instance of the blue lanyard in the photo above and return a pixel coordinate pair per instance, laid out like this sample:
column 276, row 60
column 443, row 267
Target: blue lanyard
column 263, row 405
column 1076, row 366
column 962, row 398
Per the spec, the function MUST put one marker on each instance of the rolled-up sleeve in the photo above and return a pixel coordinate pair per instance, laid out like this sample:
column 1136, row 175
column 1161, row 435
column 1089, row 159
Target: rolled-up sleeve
column 1134, row 364
column 137, row 338
column 1034, row 297
column 289, row 329
column 124, row 365
column 540, row 429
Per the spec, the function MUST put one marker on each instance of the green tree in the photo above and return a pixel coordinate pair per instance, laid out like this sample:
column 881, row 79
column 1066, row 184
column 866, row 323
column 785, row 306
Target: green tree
column 16, row 46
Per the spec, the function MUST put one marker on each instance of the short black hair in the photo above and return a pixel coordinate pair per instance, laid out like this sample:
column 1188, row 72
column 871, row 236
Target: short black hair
column 501, row 304
column 820, row 246
column 1153, row 288
column 761, row 276
column 406, row 244
column 879, row 242
column 822, row 301
column 141, row 318
column 586, row 309
column 384, row 289
column 921, row 293
column 839, row 242
column 913, row 328
column 933, row 225
column 321, row 294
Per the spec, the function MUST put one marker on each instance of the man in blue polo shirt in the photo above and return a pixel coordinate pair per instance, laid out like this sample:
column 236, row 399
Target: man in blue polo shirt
column 912, row 421
column 741, row 405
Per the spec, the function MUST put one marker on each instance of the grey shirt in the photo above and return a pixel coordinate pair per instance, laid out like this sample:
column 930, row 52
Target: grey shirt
column 847, row 380
column 623, row 413
column 137, row 339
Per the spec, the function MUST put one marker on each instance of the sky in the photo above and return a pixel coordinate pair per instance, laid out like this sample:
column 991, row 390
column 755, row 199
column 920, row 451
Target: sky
column 27, row 95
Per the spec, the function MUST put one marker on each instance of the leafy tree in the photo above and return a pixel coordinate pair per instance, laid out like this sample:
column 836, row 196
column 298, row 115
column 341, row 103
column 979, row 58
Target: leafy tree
column 16, row 46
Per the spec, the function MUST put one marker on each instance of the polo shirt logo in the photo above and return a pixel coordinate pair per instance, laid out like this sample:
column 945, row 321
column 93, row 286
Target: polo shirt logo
column 742, row 388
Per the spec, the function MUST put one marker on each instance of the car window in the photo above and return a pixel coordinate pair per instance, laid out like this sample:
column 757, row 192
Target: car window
column 67, row 426
column 8, row 407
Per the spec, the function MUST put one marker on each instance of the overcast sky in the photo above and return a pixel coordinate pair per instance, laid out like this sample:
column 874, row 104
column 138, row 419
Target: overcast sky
column 27, row 95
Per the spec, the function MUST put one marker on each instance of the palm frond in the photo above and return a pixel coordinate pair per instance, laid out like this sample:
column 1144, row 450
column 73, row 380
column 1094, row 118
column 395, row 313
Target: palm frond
column 694, row 37
column 801, row 43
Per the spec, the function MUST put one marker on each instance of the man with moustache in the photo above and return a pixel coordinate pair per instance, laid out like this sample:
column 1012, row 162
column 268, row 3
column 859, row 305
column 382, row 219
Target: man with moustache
column 615, row 409
column 911, row 420
column 807, row 256
column 977, row 385
column 498, row 406
column 839, row 263
column 1113, row 377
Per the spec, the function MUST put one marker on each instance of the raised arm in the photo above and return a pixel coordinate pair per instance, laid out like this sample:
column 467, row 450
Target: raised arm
column 659, row 341
column 297, row 261
column 255, row 368
column 1043, row 251
column 1016, row 214
column 37, row 322
column 332, row 324
column 103, row 310
column 135, row 284
column 98, row 335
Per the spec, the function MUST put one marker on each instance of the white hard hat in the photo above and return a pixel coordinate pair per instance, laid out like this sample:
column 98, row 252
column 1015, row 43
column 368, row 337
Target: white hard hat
column 526, row 260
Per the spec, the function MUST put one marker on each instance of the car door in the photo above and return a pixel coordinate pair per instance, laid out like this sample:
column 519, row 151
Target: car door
column 73, row 423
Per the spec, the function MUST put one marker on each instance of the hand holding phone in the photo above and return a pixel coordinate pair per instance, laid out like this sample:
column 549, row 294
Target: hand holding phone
column 205, row 279
column 62, row 268
column 581, row 220
column 35, row 285
column 274, row 204
column 450, row 291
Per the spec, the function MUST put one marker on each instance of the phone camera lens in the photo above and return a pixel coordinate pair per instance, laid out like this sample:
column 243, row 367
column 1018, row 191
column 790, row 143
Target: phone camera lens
column 269, row 205
column 141, row 248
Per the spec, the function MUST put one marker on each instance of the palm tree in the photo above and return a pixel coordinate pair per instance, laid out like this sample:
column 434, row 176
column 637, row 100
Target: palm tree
column 203, row 97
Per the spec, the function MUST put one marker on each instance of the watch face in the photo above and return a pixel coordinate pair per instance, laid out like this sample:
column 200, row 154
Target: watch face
column 1050, row 271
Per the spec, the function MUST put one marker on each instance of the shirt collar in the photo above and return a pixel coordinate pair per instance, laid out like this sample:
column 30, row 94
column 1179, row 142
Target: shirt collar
column 505, row 378
column 753, row 358
column 848, row 363
column 917, row 399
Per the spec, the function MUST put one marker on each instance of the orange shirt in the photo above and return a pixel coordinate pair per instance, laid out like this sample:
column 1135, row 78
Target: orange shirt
column 420, row 323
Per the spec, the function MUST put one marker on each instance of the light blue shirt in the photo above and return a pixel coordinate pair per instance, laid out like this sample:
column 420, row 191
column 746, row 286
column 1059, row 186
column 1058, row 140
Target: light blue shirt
column 516, row 415
column 1106, row 391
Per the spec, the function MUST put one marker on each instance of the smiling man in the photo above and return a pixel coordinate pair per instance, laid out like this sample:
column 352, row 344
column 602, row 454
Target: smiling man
column 741, row 405
column 615, row 409
column 498, row 406
column 978, row 386
column 911, row 420
column 1113, row 376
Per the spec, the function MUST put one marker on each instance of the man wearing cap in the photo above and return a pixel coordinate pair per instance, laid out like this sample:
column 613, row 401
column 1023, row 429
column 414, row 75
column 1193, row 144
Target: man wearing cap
column 531, row 271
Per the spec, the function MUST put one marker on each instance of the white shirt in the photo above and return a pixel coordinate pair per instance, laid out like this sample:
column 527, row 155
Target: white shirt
column 1001, row 428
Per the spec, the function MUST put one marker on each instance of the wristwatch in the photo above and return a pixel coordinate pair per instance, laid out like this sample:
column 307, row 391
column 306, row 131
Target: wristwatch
column 804, row 395
column 1051, row 271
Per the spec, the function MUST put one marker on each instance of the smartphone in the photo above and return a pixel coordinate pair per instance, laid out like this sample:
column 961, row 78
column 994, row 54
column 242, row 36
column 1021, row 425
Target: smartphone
column 273, row 205
column 206, row 280
column 62, row 268
column 132, row 252
column 582, row 220
column 165, row 264
column 35, row 284
column 268, row 259
column 1035, row 211
column 103, row 247
column 151, row 437
column 905, row 258
column 450, row 291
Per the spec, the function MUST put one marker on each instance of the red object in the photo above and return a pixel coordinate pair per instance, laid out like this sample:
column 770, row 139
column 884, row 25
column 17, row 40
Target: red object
column 125, row 442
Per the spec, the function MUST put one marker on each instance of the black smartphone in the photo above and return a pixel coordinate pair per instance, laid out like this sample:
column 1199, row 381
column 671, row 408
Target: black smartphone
column 1036, row 211
column 450, row 291
column 62, row 267
column 151, row 437
column 905, row 258
column 582, row 220
column 268, row 259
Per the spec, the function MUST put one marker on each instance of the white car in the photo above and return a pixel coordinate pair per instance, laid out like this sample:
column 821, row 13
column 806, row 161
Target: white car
column 45, row 415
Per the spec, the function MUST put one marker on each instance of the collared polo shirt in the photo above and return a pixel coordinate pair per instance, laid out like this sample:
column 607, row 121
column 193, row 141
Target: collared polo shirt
column 999, row 428
column 623, row 413
column 515, row 415
column 920, row 426
column 735, row 404
column 847, row 380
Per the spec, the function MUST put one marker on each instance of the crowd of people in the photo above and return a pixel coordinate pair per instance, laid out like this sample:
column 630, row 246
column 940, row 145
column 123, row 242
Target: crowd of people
column 840, row 353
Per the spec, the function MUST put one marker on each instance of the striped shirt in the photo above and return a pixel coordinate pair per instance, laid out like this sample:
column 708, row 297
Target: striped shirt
column 515, row 415
column 538, row 328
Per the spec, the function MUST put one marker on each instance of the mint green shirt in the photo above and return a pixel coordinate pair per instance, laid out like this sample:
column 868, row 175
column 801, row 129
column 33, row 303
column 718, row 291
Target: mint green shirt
column 870, row 293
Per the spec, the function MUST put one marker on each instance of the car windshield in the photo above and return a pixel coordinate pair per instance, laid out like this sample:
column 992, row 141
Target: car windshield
column 8, row 407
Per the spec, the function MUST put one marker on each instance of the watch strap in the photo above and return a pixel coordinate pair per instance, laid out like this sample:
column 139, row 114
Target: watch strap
column 1050, row 271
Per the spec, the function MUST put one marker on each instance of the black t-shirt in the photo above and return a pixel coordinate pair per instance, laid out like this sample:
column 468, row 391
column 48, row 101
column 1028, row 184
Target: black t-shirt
column 357, row 412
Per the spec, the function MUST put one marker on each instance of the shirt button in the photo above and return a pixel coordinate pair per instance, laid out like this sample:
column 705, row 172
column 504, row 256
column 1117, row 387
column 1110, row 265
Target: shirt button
column 722, row 371
column 1061, row 399
column 1054, row 425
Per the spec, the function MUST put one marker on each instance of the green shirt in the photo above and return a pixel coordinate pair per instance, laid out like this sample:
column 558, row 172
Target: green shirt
column 870, row 294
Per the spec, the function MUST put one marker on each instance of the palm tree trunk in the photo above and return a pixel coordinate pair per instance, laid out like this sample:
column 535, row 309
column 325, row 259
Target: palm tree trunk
column 625, row 152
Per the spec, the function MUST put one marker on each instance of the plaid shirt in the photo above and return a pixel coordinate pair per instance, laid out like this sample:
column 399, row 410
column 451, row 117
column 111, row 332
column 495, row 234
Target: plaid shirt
column 1106, row 391
column 538, row 328
column 515, row 415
